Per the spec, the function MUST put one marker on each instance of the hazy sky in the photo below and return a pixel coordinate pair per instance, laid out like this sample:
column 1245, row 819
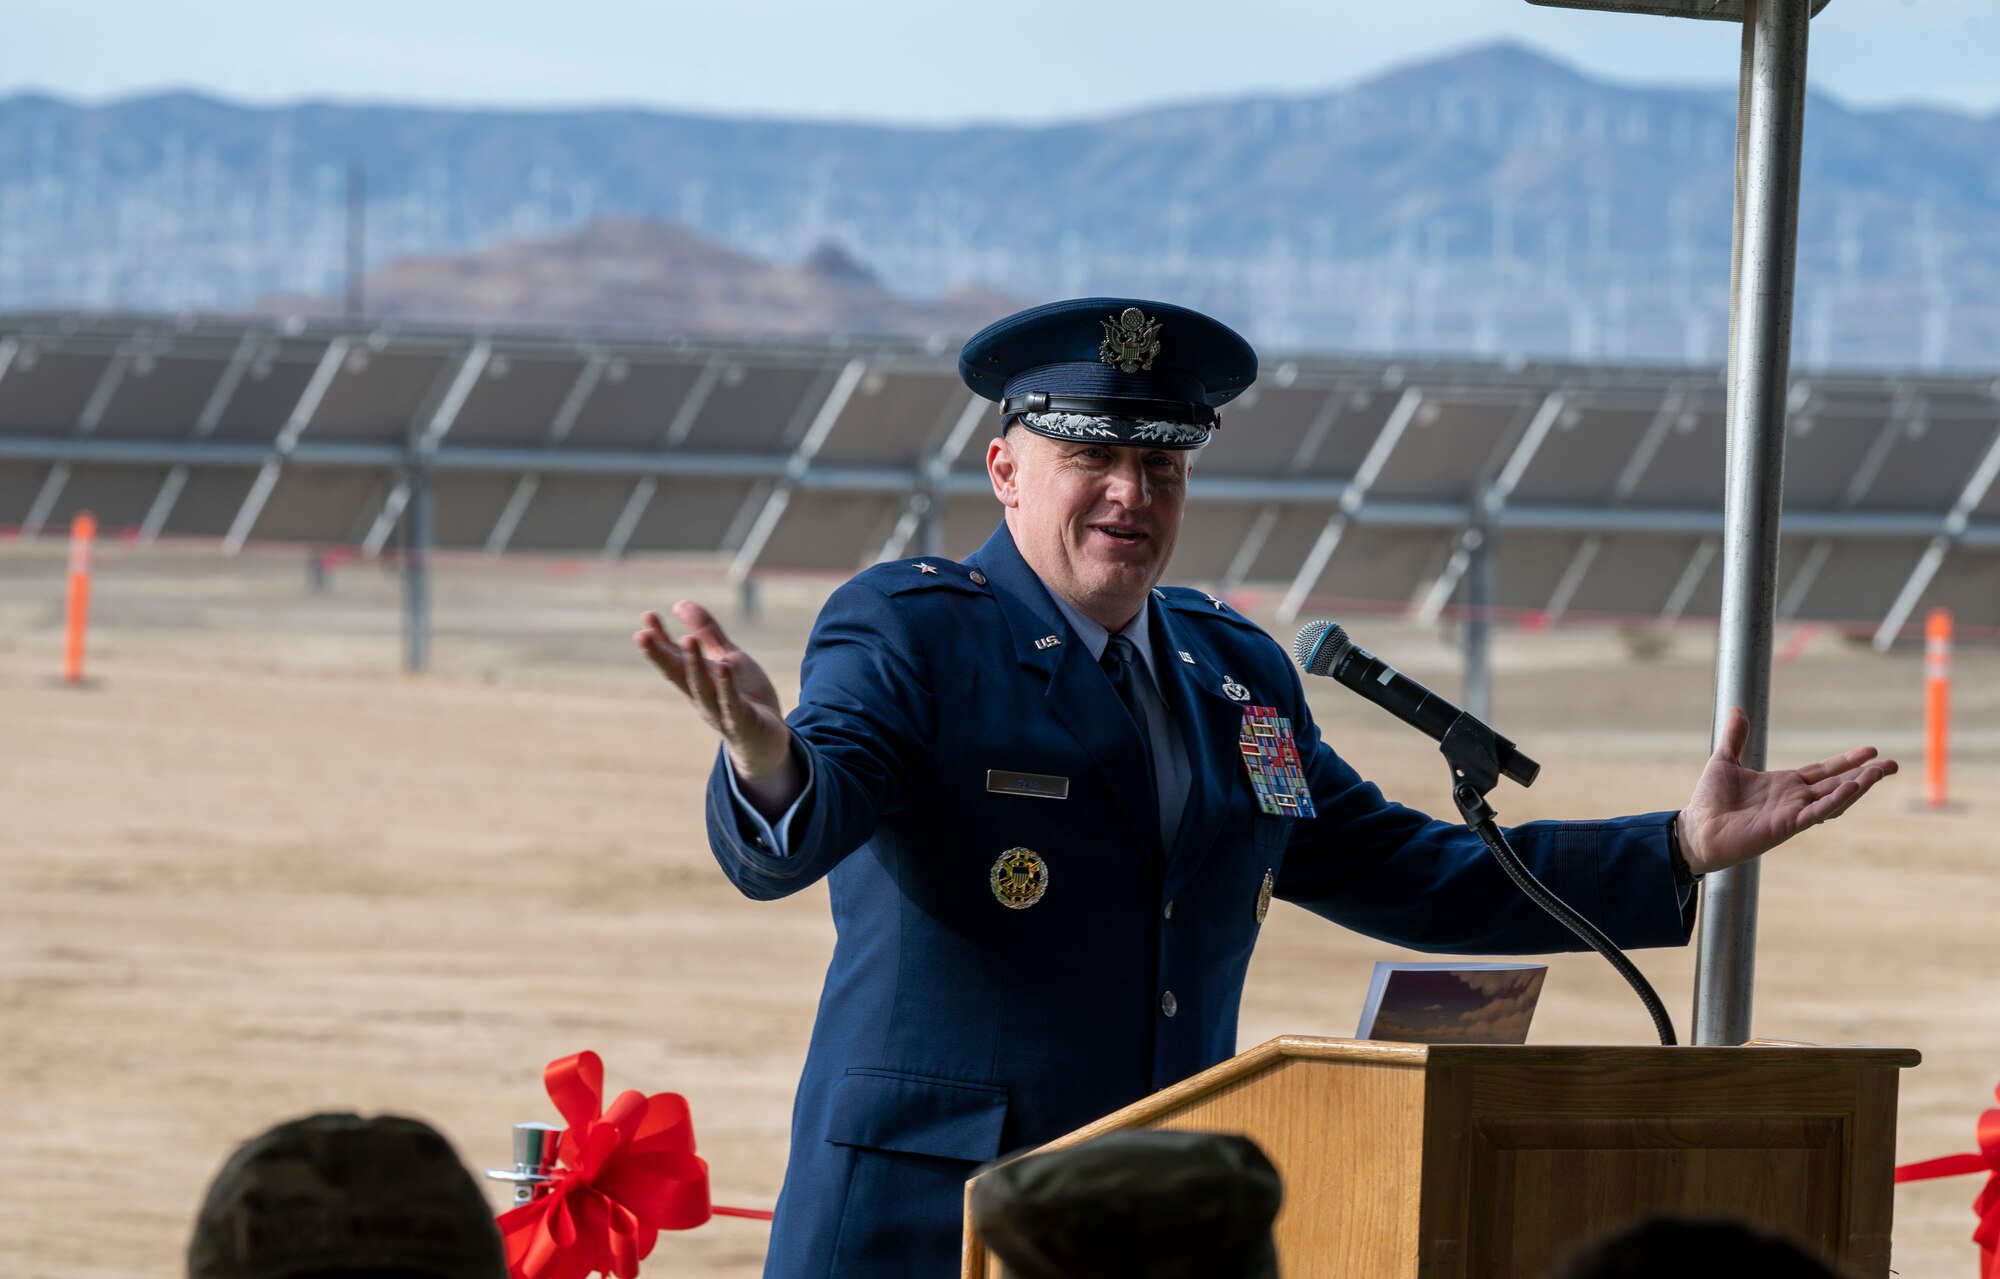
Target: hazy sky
column 920, row 61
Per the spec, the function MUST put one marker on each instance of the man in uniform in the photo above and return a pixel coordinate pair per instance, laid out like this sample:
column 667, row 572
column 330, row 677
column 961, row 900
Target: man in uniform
column 1053, row 801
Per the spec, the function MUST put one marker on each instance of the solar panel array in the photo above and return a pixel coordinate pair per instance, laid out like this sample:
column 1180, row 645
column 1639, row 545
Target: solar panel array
column 1333, row 480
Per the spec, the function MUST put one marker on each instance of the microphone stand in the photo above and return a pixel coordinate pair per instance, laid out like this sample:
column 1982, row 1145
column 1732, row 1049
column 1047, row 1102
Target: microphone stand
column 1473, row 755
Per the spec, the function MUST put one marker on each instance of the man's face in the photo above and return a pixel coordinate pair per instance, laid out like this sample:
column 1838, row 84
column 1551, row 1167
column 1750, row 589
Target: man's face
column 1097, row 522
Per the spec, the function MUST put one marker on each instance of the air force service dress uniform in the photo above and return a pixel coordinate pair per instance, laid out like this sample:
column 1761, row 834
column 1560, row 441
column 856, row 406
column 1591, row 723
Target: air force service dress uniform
column 1027, row 940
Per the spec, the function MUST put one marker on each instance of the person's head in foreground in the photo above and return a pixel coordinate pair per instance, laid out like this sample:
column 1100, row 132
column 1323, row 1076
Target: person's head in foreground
column 1157, row 1205
column 1104, row 402
column 341, row 1197
column 1668, row 1247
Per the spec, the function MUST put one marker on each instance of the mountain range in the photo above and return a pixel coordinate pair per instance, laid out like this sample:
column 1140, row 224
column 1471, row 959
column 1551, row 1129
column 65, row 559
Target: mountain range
column 1489, row 202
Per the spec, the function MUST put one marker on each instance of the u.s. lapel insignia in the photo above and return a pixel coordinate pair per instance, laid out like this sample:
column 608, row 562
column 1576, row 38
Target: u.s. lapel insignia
column 1047, row 642
column 1271, row 757
column 1019, row 878
column 1186, row 656
column 1264, row 896
column 1234, row 691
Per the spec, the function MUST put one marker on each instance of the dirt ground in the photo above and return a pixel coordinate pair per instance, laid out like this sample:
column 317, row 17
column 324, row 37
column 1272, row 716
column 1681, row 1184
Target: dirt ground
column 252, row 870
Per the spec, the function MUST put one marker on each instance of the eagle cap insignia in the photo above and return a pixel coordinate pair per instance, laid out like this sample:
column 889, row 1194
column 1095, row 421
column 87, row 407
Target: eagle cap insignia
column 1130, row 341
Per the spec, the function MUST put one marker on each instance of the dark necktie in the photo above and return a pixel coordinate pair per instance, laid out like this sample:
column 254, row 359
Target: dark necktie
column 1121, row 663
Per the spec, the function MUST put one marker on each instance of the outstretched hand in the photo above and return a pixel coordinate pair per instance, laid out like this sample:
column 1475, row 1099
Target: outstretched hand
column 1738, row 813
column 733, row 696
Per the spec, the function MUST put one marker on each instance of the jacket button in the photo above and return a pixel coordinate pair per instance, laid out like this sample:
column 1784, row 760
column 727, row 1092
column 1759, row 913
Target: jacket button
column 1168, row 1004
column 1169, row 911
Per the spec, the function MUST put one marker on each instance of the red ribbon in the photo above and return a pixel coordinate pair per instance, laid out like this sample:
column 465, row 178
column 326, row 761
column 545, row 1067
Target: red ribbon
column 1987, row 1236
column 625, row 1174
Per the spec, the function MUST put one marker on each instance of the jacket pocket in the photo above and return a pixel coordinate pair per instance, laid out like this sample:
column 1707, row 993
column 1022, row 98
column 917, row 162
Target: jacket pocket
column 918, row 1115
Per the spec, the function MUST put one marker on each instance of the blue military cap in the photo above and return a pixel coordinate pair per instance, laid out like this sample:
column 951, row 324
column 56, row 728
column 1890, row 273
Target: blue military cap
column 1120, row 370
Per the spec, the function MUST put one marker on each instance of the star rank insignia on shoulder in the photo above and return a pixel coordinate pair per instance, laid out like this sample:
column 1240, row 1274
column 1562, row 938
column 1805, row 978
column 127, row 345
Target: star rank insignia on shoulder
column 899, row 577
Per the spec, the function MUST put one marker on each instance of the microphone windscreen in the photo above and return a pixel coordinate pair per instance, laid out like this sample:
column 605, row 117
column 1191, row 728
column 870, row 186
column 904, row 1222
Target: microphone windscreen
column 1319, row 647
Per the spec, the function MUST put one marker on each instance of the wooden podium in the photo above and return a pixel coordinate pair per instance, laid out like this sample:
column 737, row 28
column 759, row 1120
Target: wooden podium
column 1492, row 1162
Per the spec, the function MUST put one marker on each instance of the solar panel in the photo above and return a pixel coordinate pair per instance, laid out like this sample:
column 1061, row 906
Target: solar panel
column 208, row 503
column 1361, row 419
column 119, row 496
column 378, row 395
column 1211, row 533
column 332, row 504
column 895, row 419
column 692, row 515
column 1965, row 584
column 969, row 520
column 45, row 391
column 571, row 513
column 828, row 532
column 1686, row 468
column 1586, row 451
column 1927, row 468
column 1450, row 447
column 469, row 504
column 1264, row 429
column 853, row 426
column 633, row 404
column 1387, row 565
column 758, row 409
column 1287, row 541
column 1529, row 569
column 161, row 397
column 1629, row 575
column 1852, row 580
column 515, row 399
column 270, row 388
column 18, row 486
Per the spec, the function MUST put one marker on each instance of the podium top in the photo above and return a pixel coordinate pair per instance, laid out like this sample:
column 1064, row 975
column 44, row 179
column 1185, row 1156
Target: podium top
column 1607, row 1058
column 1769, row 1052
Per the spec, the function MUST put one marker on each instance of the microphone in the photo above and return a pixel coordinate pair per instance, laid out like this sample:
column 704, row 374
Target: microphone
column 1324, row 649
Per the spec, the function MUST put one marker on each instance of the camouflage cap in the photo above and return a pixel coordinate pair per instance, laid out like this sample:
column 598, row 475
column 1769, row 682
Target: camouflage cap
column 1163, row 1205
column 337, row 1194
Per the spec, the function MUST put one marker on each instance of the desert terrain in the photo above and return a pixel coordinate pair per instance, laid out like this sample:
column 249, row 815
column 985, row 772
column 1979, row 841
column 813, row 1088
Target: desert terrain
column 251, row 869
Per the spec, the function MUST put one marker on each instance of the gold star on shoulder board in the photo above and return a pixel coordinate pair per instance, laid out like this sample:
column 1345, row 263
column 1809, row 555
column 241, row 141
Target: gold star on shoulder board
column 926, row 568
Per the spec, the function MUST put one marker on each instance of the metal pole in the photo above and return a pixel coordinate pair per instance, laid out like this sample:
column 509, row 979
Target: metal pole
column 930, row 519
column 417, row 567
column 1479, row 622
column 357, row 226
column 1769, row 126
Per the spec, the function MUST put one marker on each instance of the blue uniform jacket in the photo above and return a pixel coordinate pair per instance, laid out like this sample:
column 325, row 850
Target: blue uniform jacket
column 953, row 1028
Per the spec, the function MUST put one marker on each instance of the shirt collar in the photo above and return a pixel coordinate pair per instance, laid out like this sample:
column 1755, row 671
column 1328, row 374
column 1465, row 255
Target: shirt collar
column 1139, row 630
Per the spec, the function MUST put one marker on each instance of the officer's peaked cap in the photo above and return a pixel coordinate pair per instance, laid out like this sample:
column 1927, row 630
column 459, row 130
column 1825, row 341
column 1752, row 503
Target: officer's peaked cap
column 1117, row 370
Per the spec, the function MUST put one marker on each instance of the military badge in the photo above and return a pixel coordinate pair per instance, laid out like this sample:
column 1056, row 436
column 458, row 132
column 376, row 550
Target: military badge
column 1234, row 691
column 1130, row 341
column 1271, row 757
column 1019, row 878
column 1264, row 896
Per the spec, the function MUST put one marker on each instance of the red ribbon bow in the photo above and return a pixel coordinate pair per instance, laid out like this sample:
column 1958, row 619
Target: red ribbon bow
column 626, row 1173
column 1987, row 1236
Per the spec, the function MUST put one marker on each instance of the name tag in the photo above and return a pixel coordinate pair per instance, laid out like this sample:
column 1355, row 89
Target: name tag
column 1040, row 785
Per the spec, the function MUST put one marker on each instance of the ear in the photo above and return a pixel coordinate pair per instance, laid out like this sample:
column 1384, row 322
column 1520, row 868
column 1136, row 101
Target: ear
column 1003, row 468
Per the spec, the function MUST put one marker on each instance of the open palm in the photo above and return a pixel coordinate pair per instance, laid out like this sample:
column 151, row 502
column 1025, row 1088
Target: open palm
column 1737, row 812
column 733, row 696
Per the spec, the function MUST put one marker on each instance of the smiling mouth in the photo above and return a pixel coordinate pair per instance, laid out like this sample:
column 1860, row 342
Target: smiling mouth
column 1122, row 536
